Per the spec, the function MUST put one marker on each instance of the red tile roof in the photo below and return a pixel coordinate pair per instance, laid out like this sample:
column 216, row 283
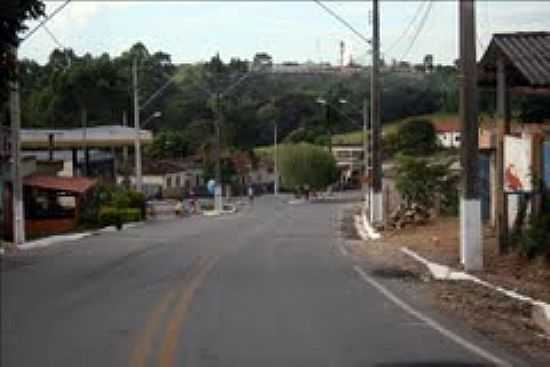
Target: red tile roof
column 76, row 185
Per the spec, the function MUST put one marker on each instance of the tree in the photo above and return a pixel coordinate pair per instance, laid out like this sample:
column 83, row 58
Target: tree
column 306, row 164
column 13, row 14
column 417, row 137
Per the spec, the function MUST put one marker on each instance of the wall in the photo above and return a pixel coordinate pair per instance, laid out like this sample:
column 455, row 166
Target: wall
column 48, row 227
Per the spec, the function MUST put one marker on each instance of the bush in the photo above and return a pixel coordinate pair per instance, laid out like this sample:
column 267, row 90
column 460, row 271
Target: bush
column 130, row 215
column 109, row 216
column 536, row 238
column 305, row 164
column 417, row 137
column 419, row 181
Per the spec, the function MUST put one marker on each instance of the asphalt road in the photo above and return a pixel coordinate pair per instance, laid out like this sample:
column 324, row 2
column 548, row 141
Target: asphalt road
column 269, row 286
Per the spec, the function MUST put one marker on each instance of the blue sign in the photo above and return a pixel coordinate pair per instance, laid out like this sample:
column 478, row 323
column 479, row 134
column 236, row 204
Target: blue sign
column 546, row 163
column 211, row 186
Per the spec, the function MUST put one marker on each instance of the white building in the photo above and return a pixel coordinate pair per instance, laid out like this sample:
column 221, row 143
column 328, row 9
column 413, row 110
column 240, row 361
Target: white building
column 448, row 136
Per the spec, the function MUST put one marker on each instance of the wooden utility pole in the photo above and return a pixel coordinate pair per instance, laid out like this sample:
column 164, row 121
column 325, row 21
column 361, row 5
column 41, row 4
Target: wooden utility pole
column 16, row 169
column 470, row 205
column 503, row 128
column 376, row 187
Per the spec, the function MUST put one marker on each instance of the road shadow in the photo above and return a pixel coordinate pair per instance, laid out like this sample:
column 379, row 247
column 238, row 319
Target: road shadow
column 432, row 364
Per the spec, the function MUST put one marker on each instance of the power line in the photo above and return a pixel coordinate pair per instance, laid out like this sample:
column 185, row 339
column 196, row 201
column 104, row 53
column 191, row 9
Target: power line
column 45, row 20
column 407, row 29
column 343, row 21
column 53, row 37
column 419, row 29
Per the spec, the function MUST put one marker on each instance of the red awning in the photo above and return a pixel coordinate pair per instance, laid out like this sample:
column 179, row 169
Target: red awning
column 75, row 185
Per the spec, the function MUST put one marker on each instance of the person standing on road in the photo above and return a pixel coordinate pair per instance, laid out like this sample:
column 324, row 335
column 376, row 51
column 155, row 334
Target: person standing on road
column 251, row 194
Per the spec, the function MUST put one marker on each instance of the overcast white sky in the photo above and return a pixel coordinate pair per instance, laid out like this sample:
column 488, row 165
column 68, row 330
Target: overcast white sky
column 288, row 30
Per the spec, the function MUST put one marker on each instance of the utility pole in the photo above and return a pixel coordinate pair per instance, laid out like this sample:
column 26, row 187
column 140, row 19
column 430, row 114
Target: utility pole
column 329, row 126
column 365, row 137
column 125, row 148
column 376, row 188
column 275, row 160
column 137, row 137
column 218, row 206
column 470, row 205
column 84, row 125
column 17, row 174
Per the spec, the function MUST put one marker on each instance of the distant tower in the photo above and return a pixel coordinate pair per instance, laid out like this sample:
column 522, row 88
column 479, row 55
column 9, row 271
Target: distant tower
column 342, row 51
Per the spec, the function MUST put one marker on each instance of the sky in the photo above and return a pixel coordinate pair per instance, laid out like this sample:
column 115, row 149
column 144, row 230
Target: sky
column 192, row 31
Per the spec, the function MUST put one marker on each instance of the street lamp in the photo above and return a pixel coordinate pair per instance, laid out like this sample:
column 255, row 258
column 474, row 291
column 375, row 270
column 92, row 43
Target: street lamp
column 327, row 105
column 155, row 115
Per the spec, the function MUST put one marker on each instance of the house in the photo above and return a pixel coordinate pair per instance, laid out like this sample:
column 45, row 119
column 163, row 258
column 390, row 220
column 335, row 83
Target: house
column 448, row 135
column 167, row 177
column 349, row 161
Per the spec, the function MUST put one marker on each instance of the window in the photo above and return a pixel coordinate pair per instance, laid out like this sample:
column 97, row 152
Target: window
column 178, row 181
column 168, row 181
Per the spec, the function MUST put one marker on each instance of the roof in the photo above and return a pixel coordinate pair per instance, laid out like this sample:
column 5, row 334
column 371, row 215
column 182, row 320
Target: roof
column 450, row 126
column 76, row 185
column 164, row 166
column 97, row 136
column 526, row 53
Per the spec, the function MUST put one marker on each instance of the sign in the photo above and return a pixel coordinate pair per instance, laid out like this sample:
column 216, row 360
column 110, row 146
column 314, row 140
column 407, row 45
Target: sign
column 546, row 163
column 517, row 164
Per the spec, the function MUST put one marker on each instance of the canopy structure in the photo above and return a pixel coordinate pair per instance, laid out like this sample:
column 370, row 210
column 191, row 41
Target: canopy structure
column 526, row 58
column 92, row 137
column 73, row 185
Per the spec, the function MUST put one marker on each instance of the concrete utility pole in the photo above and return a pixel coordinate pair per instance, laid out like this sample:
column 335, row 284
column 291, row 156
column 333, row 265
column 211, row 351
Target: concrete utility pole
column 137, row 137
column 218, row 205
column 16, row 169
column 125, row 148
column 470, row 205
column 376, row 210
column 503, row 128
column 275, row 160
column 365, row 137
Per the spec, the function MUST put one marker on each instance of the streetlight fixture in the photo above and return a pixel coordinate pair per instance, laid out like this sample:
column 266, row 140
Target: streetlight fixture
column 155, row 115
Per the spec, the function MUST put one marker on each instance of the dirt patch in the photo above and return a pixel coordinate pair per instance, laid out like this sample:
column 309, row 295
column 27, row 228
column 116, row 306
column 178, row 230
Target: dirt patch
column 438, row 241
column 505, row 320
column 492, row 314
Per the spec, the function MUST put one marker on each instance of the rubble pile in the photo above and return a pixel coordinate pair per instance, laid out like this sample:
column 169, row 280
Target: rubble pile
column 405, row 216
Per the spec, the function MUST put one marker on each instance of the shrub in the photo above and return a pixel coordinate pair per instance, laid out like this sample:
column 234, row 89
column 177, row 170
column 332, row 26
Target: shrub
column 419, row 181
column 305, row 164
column 109, row 216
column 536, row 238
column 417, row 137
column 130, row 215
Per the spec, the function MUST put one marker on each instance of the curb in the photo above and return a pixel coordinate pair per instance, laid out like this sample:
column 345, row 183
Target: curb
column 55, row 239
column 540, row 313
column 364, row 228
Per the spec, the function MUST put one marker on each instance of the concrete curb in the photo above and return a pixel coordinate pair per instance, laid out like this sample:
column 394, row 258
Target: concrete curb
column 51, row 240
column 540, row 312
column 365, row 230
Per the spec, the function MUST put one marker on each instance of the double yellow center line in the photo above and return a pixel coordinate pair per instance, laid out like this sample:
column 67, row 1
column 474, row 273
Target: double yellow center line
column 181, row 300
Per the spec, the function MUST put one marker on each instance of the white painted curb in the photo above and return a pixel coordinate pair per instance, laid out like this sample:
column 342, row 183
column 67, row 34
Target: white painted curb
column 48, row 241
column 540, row 312
column 365, row 230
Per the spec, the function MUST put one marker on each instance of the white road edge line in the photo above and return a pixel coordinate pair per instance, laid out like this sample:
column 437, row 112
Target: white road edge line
column 343, row 251
column 432, row 323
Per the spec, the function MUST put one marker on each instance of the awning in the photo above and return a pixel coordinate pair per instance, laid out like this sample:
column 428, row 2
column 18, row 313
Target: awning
column 75, row 185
